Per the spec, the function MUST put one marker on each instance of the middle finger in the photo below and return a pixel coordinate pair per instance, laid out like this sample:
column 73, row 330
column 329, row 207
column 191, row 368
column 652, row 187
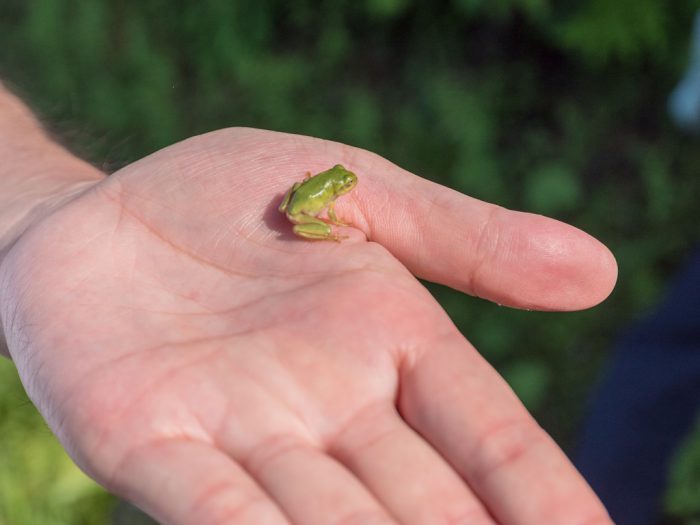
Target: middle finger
column 403, row 471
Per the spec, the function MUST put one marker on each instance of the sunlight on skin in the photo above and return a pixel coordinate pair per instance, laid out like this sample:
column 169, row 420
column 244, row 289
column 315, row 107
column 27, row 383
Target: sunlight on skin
column 195, row 356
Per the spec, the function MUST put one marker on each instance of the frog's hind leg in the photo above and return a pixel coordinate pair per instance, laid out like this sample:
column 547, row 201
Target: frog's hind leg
column 311, row 227
column 319, row 235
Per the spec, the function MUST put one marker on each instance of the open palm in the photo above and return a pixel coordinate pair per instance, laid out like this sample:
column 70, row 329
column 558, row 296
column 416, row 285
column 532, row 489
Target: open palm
column 195, row 357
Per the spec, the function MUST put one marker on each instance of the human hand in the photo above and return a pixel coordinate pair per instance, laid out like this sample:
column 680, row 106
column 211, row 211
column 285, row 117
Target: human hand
column 196, row 358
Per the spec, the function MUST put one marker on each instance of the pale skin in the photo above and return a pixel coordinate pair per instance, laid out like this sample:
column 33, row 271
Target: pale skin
column 197, row 358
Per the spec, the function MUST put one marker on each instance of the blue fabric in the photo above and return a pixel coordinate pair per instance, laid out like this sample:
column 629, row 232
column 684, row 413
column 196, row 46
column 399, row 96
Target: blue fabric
column 684, row 103
column 646, row 405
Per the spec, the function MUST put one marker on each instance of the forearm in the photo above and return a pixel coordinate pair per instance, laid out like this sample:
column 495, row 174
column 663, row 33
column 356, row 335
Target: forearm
column 36, row 174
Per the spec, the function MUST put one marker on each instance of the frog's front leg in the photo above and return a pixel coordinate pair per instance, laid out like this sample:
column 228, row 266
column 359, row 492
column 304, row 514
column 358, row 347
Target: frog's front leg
column 288, row 197
column 333, row 217
column 311, row 227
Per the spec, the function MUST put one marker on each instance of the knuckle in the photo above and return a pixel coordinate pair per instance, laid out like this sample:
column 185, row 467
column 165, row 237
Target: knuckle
column 271, row 449
column 502, row 445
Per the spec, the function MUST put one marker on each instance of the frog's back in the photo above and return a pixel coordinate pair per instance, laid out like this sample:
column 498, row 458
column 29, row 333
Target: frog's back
column 314, row 194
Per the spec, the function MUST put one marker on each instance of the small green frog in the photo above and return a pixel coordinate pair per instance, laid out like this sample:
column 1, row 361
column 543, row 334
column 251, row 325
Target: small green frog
column 306, row 200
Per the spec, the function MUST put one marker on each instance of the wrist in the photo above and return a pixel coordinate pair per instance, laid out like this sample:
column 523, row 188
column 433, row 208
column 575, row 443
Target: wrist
column 37, row 176
column 30, row 200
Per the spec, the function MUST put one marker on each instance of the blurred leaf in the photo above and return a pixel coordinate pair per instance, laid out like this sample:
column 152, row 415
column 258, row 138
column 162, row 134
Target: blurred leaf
column 39, row 484
column 530, row 379
column 659, row 185
column 627, row 30
column 682, row 499
column 501, row 8
column 552, row 189
column 465, row 122
column 386, row 8
column 362, row 120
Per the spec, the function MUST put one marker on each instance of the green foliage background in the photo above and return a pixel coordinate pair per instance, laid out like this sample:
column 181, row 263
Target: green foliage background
column 549, row 106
